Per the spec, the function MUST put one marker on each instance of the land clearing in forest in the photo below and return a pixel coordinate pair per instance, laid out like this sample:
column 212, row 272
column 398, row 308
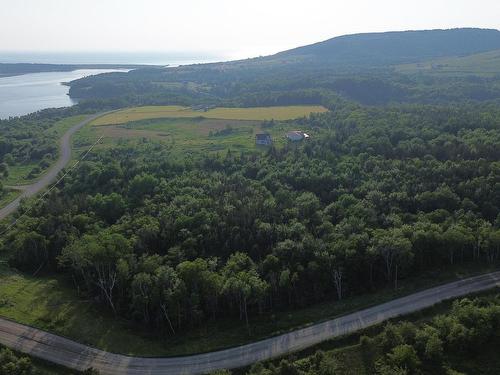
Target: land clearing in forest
column 179, row 130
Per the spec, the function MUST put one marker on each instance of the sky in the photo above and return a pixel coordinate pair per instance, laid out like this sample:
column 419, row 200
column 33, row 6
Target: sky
column 222, row 28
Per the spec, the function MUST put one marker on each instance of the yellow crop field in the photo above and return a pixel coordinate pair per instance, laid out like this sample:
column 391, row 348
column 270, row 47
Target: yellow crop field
column 253, row 114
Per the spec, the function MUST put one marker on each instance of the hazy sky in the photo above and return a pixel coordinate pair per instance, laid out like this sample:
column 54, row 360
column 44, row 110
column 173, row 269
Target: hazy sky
column 230, row 28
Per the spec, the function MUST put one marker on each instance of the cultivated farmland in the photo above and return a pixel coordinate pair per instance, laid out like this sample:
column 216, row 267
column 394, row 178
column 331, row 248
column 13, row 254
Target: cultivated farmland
column 184, row 130
column 250, row 114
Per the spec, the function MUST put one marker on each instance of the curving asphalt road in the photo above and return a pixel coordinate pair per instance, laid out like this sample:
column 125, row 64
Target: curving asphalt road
column 50, row 176
column 80, row 357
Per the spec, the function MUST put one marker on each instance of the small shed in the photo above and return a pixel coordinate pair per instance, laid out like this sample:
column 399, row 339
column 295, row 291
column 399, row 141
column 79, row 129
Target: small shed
column 263, row 139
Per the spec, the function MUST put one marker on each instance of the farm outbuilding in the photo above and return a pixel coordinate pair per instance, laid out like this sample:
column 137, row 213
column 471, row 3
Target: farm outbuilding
column 296, row 135
column 263, row 139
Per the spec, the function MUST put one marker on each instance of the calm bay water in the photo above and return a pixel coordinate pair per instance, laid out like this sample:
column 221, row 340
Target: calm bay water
column 20, row 95
column 23, row 94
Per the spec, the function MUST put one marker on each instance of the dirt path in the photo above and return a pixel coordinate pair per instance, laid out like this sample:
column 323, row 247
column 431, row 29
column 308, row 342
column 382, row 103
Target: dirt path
column 51, row 174
column 80, row 357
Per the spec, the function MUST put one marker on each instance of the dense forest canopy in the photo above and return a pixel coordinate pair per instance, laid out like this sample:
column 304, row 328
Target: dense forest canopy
column 25, row 139
column 399, row 177
column 170, row 241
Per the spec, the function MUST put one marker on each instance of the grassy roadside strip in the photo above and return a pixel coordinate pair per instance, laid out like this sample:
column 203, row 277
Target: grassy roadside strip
column 9, row 196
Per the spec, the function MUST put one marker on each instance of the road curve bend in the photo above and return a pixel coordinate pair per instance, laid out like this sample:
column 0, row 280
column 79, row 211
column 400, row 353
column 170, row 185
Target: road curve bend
column 71, row 354
column 51, row 174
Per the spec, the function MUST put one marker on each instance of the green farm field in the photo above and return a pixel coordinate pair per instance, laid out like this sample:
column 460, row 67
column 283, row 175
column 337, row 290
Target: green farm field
column 180, row 130
column 250, row 114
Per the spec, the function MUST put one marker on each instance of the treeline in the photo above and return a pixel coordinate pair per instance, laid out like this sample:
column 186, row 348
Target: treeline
column 135, row 89
column 446, row 345
column 375, row 196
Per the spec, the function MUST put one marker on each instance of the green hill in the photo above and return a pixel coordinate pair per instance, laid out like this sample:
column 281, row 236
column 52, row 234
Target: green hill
column 358, row 67
column 397, row 47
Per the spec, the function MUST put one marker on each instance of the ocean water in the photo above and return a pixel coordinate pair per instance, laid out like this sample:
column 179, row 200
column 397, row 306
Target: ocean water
column 147, row 58
column 23, row 94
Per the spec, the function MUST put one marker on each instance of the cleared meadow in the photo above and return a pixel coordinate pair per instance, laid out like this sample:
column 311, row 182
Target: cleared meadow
column 184, row 135
column 184, row 129
column 249, row 114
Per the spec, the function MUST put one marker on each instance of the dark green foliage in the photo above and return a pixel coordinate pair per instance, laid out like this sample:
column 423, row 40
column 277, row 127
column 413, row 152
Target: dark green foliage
column 22, row 140
column 30, row 251
column 12, row 364
column 470, row 324
column 375, row 196
column 108, row 207
column 439, row 346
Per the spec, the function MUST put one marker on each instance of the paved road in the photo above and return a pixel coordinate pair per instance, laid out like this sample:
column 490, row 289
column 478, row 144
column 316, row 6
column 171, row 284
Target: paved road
column 50, row 176
column 80, row 357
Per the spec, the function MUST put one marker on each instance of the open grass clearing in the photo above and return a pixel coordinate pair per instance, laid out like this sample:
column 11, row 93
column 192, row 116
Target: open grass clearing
column 184, row 130
column 8, row 196
column 63, row 125
column 50, row 303
column 185, row 135
column 19, row 174
column 251, row 114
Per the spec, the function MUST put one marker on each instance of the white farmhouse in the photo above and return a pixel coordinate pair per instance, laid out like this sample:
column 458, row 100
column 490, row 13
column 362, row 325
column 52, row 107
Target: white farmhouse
column 296, row 135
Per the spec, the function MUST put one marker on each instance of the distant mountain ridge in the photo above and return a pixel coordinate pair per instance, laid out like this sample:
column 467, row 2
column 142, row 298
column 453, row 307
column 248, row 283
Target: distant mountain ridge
column 396, row 47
